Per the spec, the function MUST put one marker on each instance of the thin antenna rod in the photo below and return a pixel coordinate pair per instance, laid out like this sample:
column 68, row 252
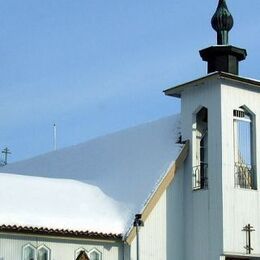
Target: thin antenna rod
column 54, row 137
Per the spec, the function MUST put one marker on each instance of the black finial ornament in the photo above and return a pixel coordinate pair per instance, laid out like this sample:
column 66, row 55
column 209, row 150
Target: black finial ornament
column 223, row 57
column 222, row 22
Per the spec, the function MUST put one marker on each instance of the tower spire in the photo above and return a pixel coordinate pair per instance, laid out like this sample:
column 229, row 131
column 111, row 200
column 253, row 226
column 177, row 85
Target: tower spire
column 223, row 57
column 222, row 22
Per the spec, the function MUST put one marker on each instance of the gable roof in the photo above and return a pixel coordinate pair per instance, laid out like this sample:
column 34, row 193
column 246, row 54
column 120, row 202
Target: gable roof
column 126, row 165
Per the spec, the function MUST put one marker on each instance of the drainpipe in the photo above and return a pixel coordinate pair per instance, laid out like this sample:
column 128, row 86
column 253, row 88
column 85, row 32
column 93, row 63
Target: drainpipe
column 137, row 224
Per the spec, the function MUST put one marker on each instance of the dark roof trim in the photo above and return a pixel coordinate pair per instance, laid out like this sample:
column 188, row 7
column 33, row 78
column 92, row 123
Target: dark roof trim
column 59, row 232
column 176, row 91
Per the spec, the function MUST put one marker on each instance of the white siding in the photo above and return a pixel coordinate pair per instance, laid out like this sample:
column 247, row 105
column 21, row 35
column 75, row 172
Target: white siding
column 161, row 237
column 214, row 218
column 61, row 249
column 240, row 206
column 203, row 208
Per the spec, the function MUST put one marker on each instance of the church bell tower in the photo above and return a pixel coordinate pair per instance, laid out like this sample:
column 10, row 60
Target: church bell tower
column 220, row 117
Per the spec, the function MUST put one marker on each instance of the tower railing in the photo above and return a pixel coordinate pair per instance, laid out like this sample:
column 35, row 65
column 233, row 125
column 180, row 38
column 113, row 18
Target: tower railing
column 200, row 176
column 245, row 176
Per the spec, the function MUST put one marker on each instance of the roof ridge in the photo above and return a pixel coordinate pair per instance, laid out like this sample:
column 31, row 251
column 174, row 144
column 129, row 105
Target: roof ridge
column 97, row 138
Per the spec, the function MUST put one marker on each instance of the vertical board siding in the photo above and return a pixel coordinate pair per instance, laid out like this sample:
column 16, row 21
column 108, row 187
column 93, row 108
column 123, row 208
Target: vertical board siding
column 153, row 234
column 161, row 236
column 203, row 225
column 240, row 206
column 61, row 249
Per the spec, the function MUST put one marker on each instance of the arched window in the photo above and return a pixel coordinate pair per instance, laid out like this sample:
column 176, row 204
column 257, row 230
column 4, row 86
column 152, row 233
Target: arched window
column 200, row 144
column 79, row 250
column 43, row 253
column 95, row 254
column 82, row 255
column 32, row 253
column 29, row 252
column 244, row 149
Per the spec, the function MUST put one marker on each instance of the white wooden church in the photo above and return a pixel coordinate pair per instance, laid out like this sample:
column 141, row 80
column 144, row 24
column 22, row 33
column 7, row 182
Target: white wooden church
column 185, row 187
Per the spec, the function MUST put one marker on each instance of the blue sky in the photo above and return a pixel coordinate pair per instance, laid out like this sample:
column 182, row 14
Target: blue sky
column 96, row 66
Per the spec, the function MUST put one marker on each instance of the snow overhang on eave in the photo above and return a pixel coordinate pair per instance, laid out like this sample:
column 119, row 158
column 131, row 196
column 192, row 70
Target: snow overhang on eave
column 177, row 90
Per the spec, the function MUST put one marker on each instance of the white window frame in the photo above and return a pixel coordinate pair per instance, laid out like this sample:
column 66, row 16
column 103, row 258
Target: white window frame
column 246, row 110
column 79, row 250
column 36, row 249
column 196, row 152
column 236, row 120
column 32, row 247
column 96, row 251
column 47, row 249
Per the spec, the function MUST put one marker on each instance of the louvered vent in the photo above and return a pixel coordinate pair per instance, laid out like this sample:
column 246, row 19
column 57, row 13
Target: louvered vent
column 238, row 113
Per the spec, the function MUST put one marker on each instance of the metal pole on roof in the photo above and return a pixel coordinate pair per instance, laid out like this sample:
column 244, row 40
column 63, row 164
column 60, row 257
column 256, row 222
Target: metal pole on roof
column 137, row 224
column 137, row 243
column 54, row 137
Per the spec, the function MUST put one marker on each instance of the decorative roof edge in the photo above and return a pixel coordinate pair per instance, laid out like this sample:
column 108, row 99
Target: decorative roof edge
column 59, row 232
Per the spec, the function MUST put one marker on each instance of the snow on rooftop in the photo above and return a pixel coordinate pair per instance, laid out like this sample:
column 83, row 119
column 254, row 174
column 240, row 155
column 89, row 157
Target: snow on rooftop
column 59, row 204
column 125, row 165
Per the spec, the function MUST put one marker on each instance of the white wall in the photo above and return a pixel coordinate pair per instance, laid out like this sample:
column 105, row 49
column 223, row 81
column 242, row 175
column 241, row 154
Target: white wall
column 207, row 224
column 240, row 206
column 214, row 218
column 203, row 208
column 61, row 249
column 161, row 238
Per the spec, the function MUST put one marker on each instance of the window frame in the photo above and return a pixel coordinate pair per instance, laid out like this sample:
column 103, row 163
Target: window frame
column 47, row 249
column 253, row 164
column 36, row 249
column 32, row 247
column 96, row 251
column 77, row 251
column 200, row 131
column 88, row 252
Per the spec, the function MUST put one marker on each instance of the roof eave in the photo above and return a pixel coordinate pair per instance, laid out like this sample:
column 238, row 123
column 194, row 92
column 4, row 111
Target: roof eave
column 177, row 90
column 59, row 232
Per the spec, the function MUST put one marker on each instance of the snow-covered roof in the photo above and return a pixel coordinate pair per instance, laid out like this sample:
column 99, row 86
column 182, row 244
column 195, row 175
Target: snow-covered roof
column 58, row 204
column 126, row 166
